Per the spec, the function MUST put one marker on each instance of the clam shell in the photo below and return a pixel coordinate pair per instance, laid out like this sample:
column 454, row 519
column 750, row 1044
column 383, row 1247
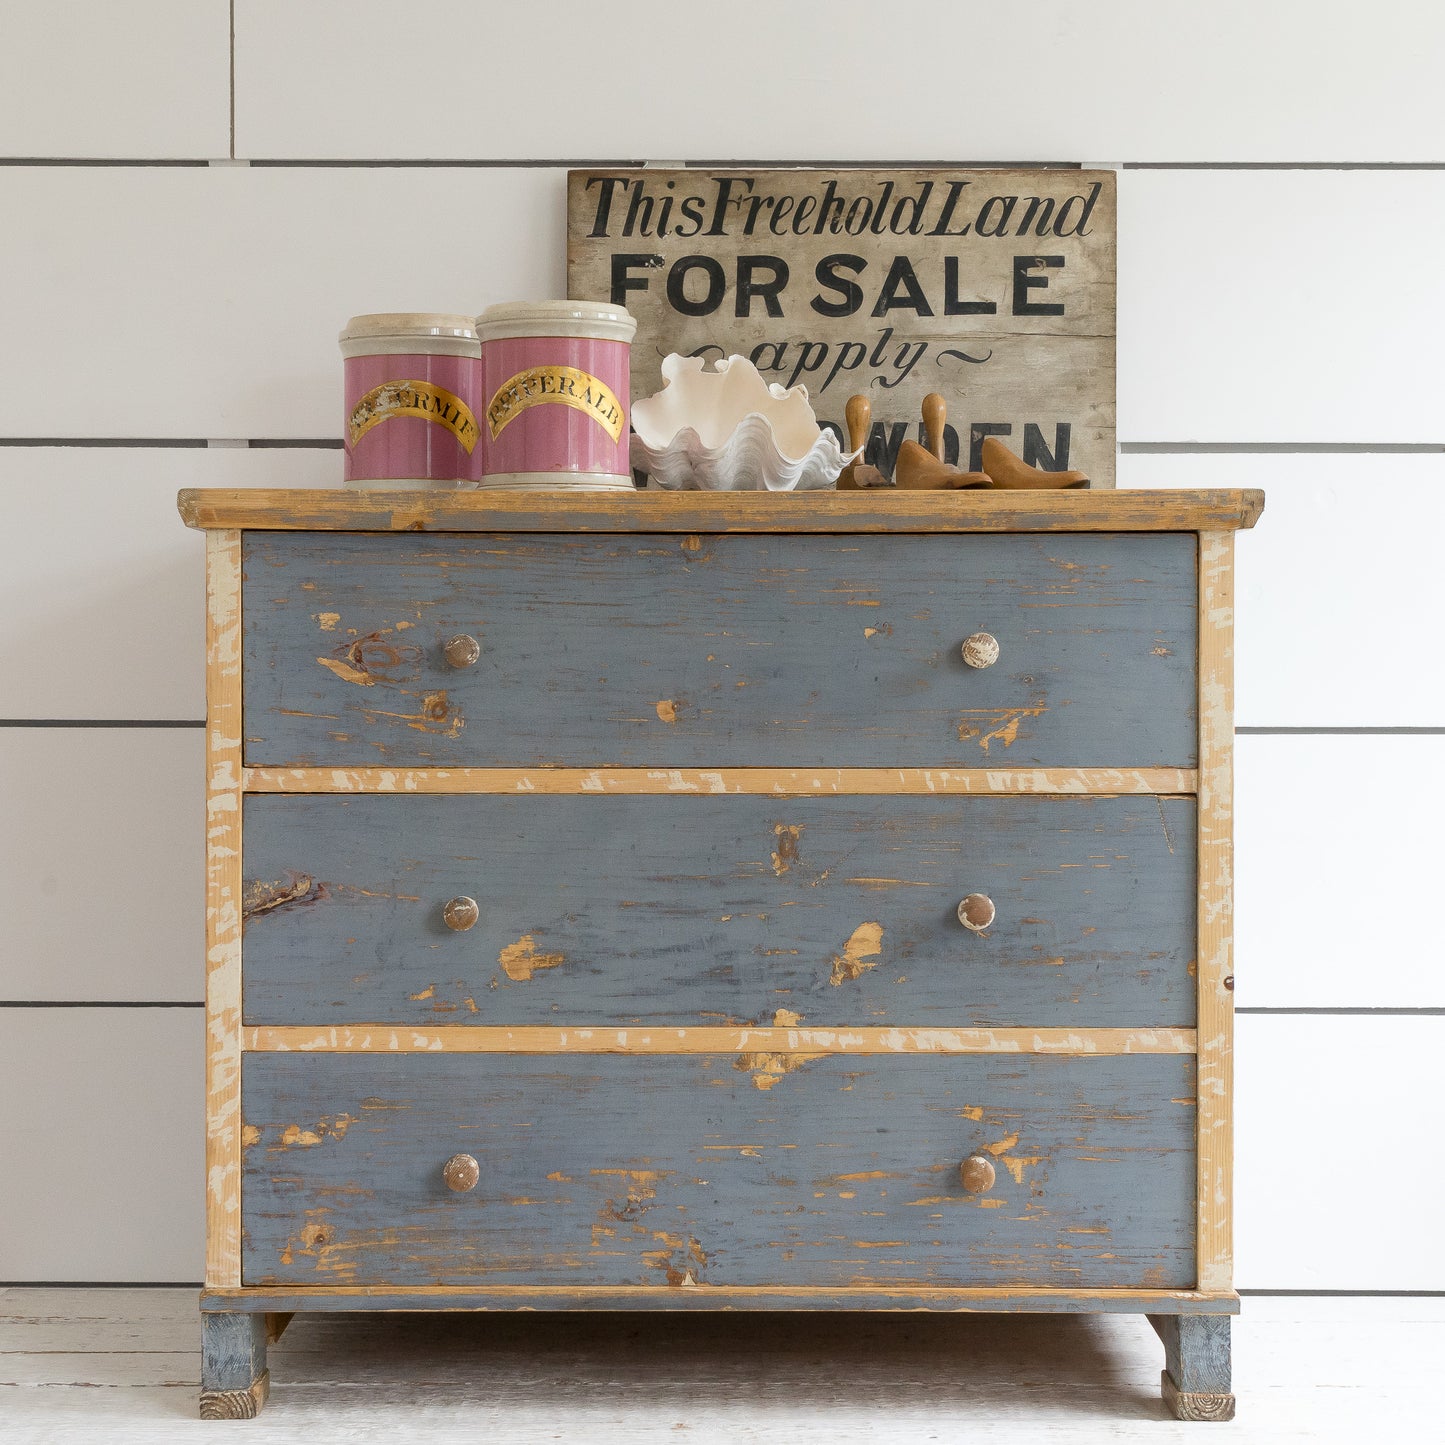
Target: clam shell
column 728, row 430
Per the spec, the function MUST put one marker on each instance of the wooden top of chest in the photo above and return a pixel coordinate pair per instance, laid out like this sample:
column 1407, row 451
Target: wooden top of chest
column 499, row 511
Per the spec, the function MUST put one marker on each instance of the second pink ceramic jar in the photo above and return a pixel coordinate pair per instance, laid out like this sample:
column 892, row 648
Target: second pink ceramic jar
column 555, row 382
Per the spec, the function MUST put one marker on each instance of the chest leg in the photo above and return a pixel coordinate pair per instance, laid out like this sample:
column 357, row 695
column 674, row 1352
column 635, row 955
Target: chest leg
column 1196, row 1379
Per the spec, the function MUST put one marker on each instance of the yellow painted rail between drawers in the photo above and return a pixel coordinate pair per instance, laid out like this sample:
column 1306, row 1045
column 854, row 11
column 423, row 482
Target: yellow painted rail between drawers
column 391, row 1038
column 782, row 782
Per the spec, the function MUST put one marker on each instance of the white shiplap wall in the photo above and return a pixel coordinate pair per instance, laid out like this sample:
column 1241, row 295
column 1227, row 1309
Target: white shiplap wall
column 1278, row 316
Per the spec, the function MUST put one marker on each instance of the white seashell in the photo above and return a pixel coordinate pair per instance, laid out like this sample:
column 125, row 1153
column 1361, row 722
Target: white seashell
column 728, row 430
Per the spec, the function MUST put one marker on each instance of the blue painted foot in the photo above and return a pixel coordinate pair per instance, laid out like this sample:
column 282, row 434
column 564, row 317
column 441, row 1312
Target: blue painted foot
column 234, row 1379
column 1196, row 1381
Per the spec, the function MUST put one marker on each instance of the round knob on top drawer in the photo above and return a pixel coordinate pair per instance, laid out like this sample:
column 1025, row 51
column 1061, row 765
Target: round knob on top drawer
column 980, row 650
column 462, row 650
column 977, row 912
column 460, row 913
column 461, row 1173
column 977, row 1173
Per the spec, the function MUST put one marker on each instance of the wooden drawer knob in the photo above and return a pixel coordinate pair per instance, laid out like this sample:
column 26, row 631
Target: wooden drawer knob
column 460, row 913
column 980, row 650
column 976, row 912
column 977, row 1173
column 462, row 650
column 461, row 1173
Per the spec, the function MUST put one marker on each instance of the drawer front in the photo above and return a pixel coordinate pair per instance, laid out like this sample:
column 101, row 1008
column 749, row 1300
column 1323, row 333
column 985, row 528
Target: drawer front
column 722, row 650
column 682, row 1169
column 711, row 910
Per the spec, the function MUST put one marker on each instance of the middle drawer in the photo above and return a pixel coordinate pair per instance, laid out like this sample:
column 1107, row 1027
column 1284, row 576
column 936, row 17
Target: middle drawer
column 714, row 910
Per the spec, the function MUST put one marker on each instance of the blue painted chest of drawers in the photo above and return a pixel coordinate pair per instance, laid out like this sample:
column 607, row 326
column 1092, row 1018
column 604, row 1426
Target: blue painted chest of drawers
column 651, row 903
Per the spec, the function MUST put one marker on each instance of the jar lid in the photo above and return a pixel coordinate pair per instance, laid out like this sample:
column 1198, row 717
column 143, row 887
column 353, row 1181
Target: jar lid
column 596, row 319
column 402, row 331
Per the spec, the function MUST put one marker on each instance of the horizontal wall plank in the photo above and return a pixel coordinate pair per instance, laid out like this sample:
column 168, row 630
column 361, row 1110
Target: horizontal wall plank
column 126, row 1084
column 101, row 1138
column 108, row 581
column 100, row 863
column 134, row 843
column 1279, row 306
column 1332, row 1114
column 1335, row 889
column 1233, row 81
column 1304, row 851
column 1337, row 603
column 222, row 290
column 302, row 249
column 1303, row 572
column 145, row 79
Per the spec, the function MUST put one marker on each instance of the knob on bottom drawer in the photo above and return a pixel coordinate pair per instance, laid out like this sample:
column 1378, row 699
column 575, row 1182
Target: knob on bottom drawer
column 461, row 1173
column 459, row 914
column 977, row 1173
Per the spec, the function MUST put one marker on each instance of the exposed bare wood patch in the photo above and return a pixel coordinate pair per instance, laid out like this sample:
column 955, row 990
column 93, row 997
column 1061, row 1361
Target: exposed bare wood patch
column 767, row 1069
column 682, row 1262
column 786, row 853
column 641, row 1193
column 347, row 671
column 995, row 725
column 262, row 897
column 864, row 944
column 520, row 960
column 293, row 1136
column 1194, row 1405
column 236, row 1404
column 667, row 709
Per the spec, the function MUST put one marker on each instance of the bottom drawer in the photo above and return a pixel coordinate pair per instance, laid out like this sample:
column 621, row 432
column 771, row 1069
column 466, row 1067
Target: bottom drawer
column 719, row 1170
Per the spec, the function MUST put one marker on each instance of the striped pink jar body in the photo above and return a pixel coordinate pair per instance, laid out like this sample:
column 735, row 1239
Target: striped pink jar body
column 555, row 382
column 412, row 401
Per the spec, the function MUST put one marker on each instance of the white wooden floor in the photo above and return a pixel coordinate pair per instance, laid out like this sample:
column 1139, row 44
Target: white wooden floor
column 101, row 1365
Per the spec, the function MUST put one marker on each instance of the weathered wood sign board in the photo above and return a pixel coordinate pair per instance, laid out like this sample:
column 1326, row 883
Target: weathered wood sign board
column 994, row 288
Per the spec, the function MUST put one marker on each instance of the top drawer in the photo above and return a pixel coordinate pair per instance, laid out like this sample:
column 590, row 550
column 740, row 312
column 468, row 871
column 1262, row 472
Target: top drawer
column 732, row 650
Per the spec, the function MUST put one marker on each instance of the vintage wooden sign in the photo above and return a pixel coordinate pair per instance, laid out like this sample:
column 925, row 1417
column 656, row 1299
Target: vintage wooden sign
column 994, row 288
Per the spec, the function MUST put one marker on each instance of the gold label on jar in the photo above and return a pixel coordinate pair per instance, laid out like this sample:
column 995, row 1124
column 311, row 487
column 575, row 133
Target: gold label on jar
column 563, row 384
column 415, row 398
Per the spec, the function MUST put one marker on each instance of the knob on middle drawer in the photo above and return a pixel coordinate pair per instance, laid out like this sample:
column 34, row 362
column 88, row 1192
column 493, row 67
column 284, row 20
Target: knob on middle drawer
column 976, row 1174
column 977, row 912
column 980, row 650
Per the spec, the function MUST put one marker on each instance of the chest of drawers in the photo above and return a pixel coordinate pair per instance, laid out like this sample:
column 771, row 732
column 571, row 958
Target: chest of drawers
column 651, row 903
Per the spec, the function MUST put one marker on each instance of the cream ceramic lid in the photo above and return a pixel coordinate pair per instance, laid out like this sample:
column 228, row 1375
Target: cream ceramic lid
column 595, row 319
column 396, row 333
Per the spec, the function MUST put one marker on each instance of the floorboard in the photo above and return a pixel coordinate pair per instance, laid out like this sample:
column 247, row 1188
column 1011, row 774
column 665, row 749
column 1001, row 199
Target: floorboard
column 120, row 1365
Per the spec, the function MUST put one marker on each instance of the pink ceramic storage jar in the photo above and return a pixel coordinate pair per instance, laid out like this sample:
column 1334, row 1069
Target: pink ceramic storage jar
column 413, row 393
column 555, row 384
